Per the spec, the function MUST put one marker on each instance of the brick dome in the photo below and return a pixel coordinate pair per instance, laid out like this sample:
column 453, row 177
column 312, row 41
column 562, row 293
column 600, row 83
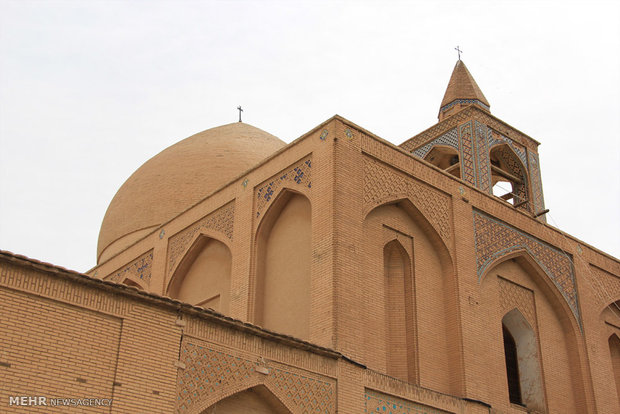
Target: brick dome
column 177, row 178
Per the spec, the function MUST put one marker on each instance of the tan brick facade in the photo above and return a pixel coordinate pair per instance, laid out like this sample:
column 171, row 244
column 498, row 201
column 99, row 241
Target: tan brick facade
column 395, row 269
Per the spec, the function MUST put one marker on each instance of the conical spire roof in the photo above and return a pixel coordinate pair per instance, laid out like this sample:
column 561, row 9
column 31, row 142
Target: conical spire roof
column 463, row 89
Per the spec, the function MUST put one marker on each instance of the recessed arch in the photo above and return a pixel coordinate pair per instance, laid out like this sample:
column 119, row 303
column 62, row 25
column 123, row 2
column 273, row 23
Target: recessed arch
column 202, row 277
column 560, row 348
column 190, row 246
column 543, row 280
column 390, row 230
column 280, row 195
column 404, row 202
column 282, row 283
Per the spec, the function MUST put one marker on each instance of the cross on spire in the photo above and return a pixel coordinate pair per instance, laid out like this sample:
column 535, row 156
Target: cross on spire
column 459, row 51
column 240, row 110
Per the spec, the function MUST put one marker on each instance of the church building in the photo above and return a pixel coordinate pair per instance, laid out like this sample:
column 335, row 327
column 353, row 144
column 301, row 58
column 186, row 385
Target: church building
column 336, row 274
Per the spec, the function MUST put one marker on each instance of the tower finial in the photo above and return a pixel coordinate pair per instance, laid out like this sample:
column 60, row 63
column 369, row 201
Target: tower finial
column 459, row 51
column 240, row 110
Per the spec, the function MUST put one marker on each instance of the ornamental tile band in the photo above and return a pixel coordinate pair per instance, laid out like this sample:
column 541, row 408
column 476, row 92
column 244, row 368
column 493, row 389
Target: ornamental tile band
column 468, row 163
column 495, row 239
column 484, row 167
column 537, row 192
column 464, row 101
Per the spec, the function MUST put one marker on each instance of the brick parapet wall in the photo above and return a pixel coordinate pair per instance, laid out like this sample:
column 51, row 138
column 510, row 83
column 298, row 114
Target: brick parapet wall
column 141, row 351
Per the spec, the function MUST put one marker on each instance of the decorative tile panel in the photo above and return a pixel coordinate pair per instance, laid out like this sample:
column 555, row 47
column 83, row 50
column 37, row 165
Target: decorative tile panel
column 468, row 162
column 297, row 176
column 495, row 239
column 139, row 270
column 512, row 295
column 465, row 102
column 212, row 373
column 220, row 220
column 450, row 139
column 484, row 166
column 377, row 402
column 537, row 192
column 382, row 183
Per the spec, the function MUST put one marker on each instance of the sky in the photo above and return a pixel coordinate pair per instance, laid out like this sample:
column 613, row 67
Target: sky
column 90, row 90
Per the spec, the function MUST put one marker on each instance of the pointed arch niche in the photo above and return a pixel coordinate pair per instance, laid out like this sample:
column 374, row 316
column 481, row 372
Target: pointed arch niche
column 408, row 301
column 518, row 298
column 610, row 318
column 399, row 312
column 255, row 400
column 614, row 350
column 283, row 255
column 202, row 277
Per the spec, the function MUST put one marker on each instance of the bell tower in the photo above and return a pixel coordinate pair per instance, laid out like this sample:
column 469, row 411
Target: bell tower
column 480, row 149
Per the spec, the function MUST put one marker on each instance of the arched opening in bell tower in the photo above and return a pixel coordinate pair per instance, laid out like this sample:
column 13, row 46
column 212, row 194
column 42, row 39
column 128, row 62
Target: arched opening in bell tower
column 446, row 158
column 508, row 177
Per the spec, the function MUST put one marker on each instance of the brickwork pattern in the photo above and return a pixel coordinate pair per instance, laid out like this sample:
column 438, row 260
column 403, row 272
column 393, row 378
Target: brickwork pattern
column 468, row 162
column 377, row 402
column 298, row 176
column 512, row 295
column 605, row 285
column 220, row 220
column 63, row 290
column 35, row 345
column 139, row 270
column 211, row 370
column 495, row 239
column 381, row 183
column 450, row 139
